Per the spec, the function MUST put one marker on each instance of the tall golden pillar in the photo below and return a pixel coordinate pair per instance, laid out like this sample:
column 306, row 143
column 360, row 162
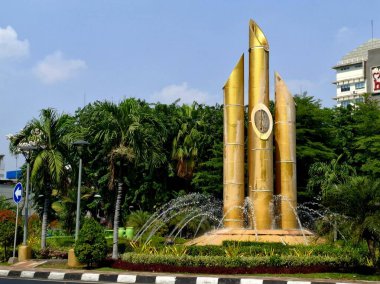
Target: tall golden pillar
column 233, row 164
column 260, row 136
column 285, row 141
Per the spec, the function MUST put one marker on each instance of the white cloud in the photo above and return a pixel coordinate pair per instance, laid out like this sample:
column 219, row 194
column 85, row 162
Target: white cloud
column 10, row 45
column 182, row 91
column 54, row 68
column 343, row 34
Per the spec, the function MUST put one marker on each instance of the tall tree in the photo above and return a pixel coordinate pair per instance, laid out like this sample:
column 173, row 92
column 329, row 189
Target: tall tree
column 358, row 199
column 313, row 137
column 187, row 140
column 367, row 138
column 208, row 177
column 51, row 134
column 129, row 134
column 325, row 175
column 343, row 132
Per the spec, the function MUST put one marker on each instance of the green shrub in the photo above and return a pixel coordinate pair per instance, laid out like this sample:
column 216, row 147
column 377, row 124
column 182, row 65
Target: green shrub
column 49, row 253
column 138, row 219
column 60, row 242
column 249, row 254
column 123, row 245
column 240, row 261
column 7, row 231
column 91, row 246
column 209, row 250
column 6, row 237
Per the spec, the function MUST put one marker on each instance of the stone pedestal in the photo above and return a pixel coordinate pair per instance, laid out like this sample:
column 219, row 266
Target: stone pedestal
column 72, row 260
column 24, row 253
column 12, row 260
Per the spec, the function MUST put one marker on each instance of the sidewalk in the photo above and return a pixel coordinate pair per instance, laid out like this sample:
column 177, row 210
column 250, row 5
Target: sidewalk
column 29, row 269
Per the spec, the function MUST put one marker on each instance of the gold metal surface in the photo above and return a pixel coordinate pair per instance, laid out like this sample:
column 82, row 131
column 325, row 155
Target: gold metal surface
column 290, row 237
column 233, row 164
column 285, row 142
column 24, row 253
column 260, row 151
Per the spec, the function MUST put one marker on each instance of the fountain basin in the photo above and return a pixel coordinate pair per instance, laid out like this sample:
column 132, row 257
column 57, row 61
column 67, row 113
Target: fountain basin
column 291, row 237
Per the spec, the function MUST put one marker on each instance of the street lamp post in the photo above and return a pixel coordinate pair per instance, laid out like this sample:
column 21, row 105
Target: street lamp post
column 26, row 151
column 79, row 144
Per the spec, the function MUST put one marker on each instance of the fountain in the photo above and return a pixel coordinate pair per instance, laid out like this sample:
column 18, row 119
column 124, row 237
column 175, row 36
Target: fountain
column 267, row 213
column 201, row 207
column 189, row 207
column 263, row 225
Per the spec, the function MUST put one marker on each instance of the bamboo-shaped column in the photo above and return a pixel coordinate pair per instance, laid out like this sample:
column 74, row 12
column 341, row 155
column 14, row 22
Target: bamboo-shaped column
column 233, row 164
column 260, row 136
column 285, row 141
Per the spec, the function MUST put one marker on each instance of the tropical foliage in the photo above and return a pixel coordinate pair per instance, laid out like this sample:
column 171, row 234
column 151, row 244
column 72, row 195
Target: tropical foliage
column 7, row 229
column 142, row 155
column 91, row 246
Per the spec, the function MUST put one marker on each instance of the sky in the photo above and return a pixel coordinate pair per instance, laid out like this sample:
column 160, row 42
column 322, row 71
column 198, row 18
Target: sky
column 65, row 54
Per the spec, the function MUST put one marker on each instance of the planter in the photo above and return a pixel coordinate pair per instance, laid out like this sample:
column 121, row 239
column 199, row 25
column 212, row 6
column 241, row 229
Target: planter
column 129, row 231
column 121, row 232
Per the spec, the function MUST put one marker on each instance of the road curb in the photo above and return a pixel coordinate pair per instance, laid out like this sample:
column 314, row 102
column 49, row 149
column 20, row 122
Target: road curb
column 150, row 279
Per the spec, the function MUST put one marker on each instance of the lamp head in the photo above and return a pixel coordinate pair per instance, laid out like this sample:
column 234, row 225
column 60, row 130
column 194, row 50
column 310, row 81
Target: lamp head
column 79, row 144
column 26, row 150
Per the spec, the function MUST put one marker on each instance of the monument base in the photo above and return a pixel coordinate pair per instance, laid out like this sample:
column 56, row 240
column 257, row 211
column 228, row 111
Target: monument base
column 24, row 253
column 72, row 260
column 291, row 237
column 12, row 260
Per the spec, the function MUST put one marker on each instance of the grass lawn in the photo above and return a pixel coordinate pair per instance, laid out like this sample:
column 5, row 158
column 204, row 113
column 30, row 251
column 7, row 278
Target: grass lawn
column 63, row 265
column 59, row 265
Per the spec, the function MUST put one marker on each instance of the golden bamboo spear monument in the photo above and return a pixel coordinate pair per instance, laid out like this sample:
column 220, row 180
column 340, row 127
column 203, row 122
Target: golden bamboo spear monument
column 285, row 142
column 233, row 176
column 260, row 137
column 260, row 155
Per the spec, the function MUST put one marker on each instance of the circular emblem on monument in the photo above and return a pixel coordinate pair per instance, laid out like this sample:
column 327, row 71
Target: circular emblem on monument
column 262, row 121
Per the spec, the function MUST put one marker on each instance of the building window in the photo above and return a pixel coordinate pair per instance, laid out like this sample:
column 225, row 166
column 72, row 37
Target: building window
column 345, row 103
column 344, row 68
column 359, row 85
column 358, row 65
column 345, row 88
column 359, row 100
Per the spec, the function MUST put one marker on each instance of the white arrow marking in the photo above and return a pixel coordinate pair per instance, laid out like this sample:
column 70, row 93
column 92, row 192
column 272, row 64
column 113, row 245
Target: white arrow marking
column 18, row 193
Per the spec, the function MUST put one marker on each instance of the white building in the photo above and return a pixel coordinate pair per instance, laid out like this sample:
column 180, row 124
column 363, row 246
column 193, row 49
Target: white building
column 2, row 167
column 352, row 78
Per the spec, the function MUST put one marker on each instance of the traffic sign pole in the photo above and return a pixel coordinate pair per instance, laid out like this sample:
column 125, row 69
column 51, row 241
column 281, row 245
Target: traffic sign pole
column 15, row 239
column 26, row 210
column 17, row 196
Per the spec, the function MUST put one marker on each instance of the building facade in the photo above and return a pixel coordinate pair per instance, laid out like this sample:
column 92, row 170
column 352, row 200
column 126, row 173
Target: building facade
column 2, row 167
column 356, row 72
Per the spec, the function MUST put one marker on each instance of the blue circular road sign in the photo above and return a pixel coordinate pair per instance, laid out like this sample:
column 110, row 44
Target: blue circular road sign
column 17, row 193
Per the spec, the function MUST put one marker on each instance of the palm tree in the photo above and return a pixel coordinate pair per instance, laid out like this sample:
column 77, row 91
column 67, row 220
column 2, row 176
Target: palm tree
column 50, row 133
column 130, row 135
column 326, row 175
column 65, row 207
column 359, row 200
column 187, row 140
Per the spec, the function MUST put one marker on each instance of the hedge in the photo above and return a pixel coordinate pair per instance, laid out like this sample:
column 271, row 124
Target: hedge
column 267, row 249
column 243, row 261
